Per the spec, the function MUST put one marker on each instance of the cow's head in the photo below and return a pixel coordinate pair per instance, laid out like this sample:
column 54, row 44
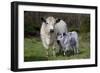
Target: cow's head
column 50, row 23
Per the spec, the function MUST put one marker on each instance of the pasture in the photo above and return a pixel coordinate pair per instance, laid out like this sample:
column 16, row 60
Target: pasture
column 34, row 50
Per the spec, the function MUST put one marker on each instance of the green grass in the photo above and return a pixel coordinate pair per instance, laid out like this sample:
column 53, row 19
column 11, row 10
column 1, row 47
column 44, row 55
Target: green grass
column 34, row 50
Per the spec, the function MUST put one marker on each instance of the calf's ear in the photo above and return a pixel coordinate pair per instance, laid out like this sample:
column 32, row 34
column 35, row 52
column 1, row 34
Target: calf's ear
column 64, row 34
column 58, row 20
column 43, row 20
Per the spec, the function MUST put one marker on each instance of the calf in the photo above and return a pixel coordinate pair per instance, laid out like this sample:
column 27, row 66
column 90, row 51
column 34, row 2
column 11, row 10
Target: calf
column 74, row 42
column 68, row 42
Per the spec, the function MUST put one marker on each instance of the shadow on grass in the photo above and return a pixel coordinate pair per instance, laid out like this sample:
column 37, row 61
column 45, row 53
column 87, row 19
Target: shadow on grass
column 81, row 52
column 35, row 58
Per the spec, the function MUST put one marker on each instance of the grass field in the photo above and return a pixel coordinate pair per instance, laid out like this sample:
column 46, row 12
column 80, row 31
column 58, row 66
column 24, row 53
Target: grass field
column 34, row 50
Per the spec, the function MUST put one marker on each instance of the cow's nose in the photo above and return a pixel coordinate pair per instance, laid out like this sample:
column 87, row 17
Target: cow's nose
column 58, row 41
column 51, row 31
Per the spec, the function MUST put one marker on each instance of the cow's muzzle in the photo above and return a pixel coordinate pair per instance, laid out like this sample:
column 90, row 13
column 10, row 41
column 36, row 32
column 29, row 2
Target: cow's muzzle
column 52, row 31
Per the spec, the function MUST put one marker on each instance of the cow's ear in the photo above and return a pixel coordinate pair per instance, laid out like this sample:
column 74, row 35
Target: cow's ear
column 43, row 20
column 58, row 20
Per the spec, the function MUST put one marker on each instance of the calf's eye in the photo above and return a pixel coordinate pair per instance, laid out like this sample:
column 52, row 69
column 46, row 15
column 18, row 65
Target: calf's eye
column 57, row 33
column 64, row 34
column 46, row 23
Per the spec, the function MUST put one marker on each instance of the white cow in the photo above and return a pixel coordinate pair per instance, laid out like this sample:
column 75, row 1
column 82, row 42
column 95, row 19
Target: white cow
column 69, row 41
column 60, row 27
column 47, row 33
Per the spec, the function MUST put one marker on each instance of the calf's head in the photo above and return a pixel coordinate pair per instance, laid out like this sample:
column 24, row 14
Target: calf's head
column 62, row 39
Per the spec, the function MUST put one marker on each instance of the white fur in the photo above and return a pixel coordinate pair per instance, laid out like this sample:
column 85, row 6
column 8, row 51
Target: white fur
column 60, row 27
column 66, row 44
column 74, row 35
column 47, row 37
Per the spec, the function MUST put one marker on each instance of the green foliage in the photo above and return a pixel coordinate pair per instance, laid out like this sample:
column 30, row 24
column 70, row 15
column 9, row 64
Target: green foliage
column 75, row 22
column 74, row 29
column 85, row 24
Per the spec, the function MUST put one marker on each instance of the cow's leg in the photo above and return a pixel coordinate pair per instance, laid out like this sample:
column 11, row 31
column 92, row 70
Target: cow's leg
column 54, row 48
column 65, row 50
column 64, row 53
column 74, row 52
column 53, row 51
column 54, row 54
column 77, row 49
column 47, row 49
column 47, row 54
column 71, row 51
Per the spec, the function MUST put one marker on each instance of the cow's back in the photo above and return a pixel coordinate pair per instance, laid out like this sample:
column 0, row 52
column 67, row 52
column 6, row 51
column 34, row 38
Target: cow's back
column 74, row 34
column 61, row 27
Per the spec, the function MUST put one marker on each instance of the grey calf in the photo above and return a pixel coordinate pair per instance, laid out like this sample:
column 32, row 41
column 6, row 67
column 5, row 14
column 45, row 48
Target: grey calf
column 68, row 42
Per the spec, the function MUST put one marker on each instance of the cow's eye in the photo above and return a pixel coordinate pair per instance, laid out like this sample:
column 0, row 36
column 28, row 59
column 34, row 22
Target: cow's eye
column 46, row 22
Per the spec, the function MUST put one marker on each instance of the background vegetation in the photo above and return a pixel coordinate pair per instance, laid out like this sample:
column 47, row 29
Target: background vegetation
column 33, row 48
